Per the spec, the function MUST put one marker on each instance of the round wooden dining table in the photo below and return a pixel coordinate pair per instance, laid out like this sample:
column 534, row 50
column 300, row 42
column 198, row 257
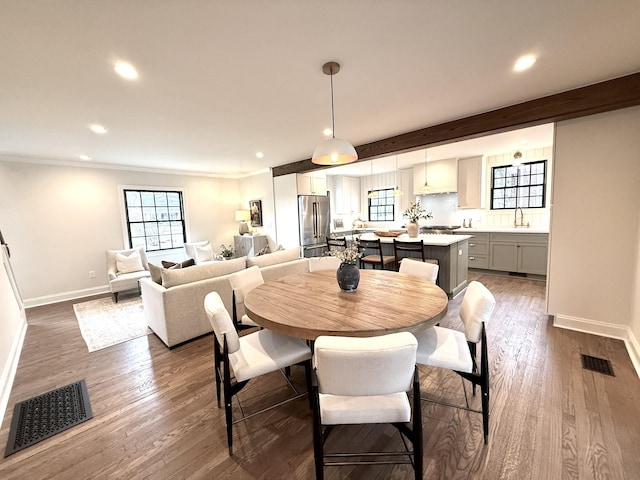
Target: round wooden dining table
column 307, row 305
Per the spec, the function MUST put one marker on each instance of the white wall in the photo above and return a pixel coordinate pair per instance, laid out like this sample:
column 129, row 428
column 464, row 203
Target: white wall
column 595, row 225
column 260, row 187
column 61, row 220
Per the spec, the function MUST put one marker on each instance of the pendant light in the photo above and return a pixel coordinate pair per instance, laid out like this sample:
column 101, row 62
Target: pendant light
column 334, row 151
column 397, row 192
column 425, row 188
column 372, row 192
column 517, row 158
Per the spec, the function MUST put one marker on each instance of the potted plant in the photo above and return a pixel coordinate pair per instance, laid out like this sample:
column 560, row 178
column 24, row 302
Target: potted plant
column 348, row 273
column 414, row 213
column 226, row 252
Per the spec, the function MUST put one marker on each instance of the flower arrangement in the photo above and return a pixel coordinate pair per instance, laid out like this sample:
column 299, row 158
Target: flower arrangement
column 347, row 255
column 415, row 212
column 225, row 251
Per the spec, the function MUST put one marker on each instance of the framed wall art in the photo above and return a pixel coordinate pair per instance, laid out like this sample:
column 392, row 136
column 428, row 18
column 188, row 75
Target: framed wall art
column 255, row 207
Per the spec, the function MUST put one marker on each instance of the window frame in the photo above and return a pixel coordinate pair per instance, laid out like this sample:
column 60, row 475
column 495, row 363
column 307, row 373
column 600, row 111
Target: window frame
column 387, row 194
column 127, row 222
column 519, row 199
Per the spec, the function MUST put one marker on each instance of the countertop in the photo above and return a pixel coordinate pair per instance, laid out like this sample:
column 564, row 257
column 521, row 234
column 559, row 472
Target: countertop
column 428, row 239
column 503, row 230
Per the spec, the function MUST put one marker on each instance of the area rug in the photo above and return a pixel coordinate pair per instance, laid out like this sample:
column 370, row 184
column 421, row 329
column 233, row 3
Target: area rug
column 45, row 415
column 104, row 323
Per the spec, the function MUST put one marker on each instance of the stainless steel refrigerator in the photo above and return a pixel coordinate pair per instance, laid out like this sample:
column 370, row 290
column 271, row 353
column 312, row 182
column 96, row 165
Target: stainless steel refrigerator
column 314, row 214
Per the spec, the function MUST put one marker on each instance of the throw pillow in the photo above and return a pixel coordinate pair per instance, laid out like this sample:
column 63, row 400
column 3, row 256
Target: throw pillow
column 187, row 263
column 156, row 273
column 129, row 263
column 264, row 251
column 204, row 253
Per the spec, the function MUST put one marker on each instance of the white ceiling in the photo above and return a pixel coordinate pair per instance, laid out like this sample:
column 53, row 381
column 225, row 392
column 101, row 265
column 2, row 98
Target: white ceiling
column 221, row 80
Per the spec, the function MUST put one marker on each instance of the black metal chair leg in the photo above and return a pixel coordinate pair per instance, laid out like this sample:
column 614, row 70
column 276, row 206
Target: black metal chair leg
column 227, row 396
column 216, row 367
column 318, row 437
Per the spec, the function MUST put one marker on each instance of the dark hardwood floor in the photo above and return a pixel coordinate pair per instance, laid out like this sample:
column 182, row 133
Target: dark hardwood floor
column 155, row 414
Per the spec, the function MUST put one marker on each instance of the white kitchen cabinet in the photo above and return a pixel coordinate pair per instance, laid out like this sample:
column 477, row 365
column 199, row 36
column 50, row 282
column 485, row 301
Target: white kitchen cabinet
column 442, row 176
column 347, row 194
column 405, row 178
column 312, row 183
column 471, row 182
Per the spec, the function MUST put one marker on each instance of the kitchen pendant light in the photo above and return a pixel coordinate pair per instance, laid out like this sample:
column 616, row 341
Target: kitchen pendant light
column 372, row 192
column 517, row 159
column 397, row 192
column 425, row 188
column 334, row 151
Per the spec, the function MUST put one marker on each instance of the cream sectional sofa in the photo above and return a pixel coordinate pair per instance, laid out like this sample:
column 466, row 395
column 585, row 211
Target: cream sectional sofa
column 174, row 309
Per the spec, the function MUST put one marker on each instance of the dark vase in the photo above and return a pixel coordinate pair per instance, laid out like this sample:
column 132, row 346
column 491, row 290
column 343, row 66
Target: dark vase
column 348, row 276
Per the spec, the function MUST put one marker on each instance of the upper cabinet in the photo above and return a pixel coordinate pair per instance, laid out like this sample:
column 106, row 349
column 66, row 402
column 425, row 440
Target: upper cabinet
column 346, row 194
column 312, row 183
column 441, row 175
column 470, row 182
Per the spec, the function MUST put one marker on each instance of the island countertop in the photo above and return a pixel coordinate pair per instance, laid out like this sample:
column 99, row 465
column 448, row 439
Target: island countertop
column 471, row 231
column 428, row 239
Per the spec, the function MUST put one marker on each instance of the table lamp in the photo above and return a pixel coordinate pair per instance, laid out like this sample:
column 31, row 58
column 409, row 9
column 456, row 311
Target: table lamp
column 242, row 216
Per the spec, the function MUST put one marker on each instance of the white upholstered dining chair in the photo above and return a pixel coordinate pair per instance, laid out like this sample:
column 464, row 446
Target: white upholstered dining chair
column 249, row 356
column 242, row 282
column 317, row 264
column 455, row 350
column 365, row 381
column 428, row 271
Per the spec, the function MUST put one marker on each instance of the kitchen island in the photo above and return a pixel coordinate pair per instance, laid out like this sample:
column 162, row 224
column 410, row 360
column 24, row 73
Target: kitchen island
column 451, row 252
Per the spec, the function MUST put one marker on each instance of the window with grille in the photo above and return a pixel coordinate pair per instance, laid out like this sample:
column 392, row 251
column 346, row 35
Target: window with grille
column 381, row 208
column 519, row 186
column 155, row 219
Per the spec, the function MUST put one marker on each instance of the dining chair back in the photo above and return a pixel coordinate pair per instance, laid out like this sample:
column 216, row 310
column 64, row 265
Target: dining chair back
column 362, row 381
column 455, row 350
column 317, row 264
column 372, row 254
column 428, row 271
column 242, row 282
column 248, row 356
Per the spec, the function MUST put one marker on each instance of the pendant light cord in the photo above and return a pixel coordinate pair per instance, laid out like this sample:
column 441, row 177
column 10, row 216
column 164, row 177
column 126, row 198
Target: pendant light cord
column 333, row 122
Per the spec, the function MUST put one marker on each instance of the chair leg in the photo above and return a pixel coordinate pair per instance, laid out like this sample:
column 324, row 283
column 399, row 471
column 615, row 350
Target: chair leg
column 318, row 440
column 228, row 412
column 485, row 412
column 307, row 374
column 115, row 297
column 417, row 428
column 216, row 367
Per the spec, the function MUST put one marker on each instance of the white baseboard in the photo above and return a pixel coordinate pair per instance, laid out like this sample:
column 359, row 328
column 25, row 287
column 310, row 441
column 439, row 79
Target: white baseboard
column 61, row 297
column 633, row 347
column 603, row 329
column 9, row 372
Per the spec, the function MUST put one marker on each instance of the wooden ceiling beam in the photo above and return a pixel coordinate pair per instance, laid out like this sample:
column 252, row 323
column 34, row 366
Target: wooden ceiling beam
column 601, row 97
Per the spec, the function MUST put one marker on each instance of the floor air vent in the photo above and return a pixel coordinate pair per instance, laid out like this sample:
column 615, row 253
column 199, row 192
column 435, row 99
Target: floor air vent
column 600, row 365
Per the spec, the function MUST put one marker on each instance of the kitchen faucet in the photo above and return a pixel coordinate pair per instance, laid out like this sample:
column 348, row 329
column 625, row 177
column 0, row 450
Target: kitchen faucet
column 515, row 217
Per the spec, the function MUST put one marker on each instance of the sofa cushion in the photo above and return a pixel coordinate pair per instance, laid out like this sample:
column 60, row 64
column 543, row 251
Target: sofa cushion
column 129, row 263
column 280, row 256
column 171, row 278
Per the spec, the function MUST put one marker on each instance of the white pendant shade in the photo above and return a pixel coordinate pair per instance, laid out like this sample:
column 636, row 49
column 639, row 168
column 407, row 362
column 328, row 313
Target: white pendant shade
column 334, row 151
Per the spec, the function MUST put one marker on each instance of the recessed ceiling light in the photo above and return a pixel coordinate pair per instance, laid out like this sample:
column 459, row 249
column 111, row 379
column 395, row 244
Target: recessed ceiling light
column 524, row 63
column 523, row 142
column 259, row 154
column 327, row 132
column 99, row 129
column 126, row 70
column 84, row 157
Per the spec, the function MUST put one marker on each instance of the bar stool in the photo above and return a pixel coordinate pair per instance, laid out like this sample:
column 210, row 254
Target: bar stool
column 400, row 247
column 376, row 258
